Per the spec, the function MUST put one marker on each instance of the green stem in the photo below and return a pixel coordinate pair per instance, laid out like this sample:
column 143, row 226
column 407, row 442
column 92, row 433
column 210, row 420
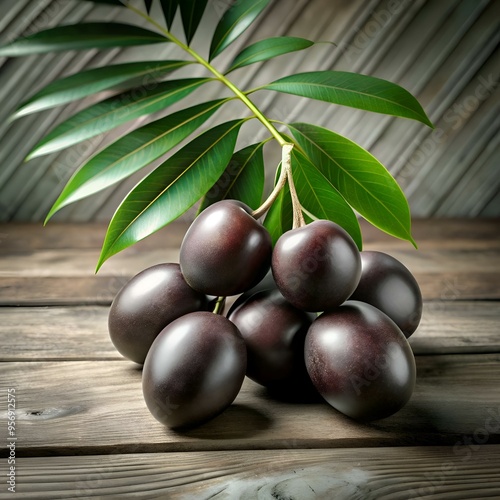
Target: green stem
column 219, row 305
column 219, row 76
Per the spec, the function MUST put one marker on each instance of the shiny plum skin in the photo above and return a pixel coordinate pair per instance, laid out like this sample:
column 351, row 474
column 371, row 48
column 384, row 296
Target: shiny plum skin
column 225, row 251
column 194, row 369
column 266, row 283
column 274, row 333
column 316, row 267
column 389, row 286
column 360, row 361
column 146, row 304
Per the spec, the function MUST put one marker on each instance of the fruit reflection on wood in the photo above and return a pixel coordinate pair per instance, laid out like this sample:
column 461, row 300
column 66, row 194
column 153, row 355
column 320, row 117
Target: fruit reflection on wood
column 325, row 319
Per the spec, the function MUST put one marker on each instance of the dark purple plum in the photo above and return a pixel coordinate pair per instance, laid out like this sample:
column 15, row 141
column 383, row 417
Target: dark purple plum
column 316, row 267
column 360, row 361
column 146, row 304
column 194, row 369
column 266, row 283
column 389, row 286
column 274, row 333
column 225, row 251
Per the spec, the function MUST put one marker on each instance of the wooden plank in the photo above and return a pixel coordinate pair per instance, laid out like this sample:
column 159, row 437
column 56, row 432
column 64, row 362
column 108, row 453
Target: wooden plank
column 80, row 333
column 55, row 333
column 459, row 285
column 458, row 327
column 363, row 473
column 82, row 407
column 23, row 237
column 100, row 290
column 70, row 262
column 94, row 290
column 19, row 238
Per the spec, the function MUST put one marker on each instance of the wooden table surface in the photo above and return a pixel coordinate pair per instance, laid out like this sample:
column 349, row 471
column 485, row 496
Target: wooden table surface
column 83, row 429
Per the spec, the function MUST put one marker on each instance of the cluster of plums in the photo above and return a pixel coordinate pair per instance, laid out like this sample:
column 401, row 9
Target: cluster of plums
column 314, row 314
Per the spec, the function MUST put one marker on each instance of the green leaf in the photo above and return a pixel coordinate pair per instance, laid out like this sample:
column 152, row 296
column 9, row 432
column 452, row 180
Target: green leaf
column 169, row 8
column 191, row 14
column 278, row 219
column 242, row 180
column 354, row 90
column 92, row 81
column 234, row 22
column 361, row 179
column 171, row 189
column 267, row 49
column 321, row 199
column 133, row 152
column 113, row 112
column 81, row 36
column 148, row 4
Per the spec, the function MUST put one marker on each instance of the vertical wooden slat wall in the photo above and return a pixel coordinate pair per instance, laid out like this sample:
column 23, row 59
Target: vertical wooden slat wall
column 444, row 51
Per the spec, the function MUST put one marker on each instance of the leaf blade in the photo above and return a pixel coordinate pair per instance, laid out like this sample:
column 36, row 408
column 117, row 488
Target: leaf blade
column 89, row 82
column 320, row 198
column 112, row 112
column 82, row 36
column 171, row 189
column 268, row 49
column 133, row 152
column 243, row 179
column 361, row 179
column 354, row 90
column 191, row 14
column 278, row 219
column 169, row 8
column 234, row 22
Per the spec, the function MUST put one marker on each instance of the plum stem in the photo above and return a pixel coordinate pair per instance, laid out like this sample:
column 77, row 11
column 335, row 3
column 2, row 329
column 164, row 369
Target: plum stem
column 285, row 176
column 286, row 165
column 280, row 184
column 219, row 305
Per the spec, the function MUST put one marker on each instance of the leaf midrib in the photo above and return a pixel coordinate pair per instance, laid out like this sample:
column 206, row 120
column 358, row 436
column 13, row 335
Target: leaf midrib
column 351, row 91
column 346, row 172
column 231, row 28
column 262, row 51
column 116, row 79
column 103, row 116
column 257, row 147
column 171, row 183
column 157, row 138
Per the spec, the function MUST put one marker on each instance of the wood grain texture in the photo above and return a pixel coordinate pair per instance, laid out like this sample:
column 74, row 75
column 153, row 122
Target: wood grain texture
column 55, row 265
column 55, row 333
column 432, row 233
column 21, row 238
column 75, row 263
column 84, row 430
column 100, row 290
column 97, row 407
column 80, row 332
column 365, row 474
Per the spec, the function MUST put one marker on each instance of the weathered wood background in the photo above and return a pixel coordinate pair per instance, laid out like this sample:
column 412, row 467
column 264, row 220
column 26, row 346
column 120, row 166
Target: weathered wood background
column 444, row 51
